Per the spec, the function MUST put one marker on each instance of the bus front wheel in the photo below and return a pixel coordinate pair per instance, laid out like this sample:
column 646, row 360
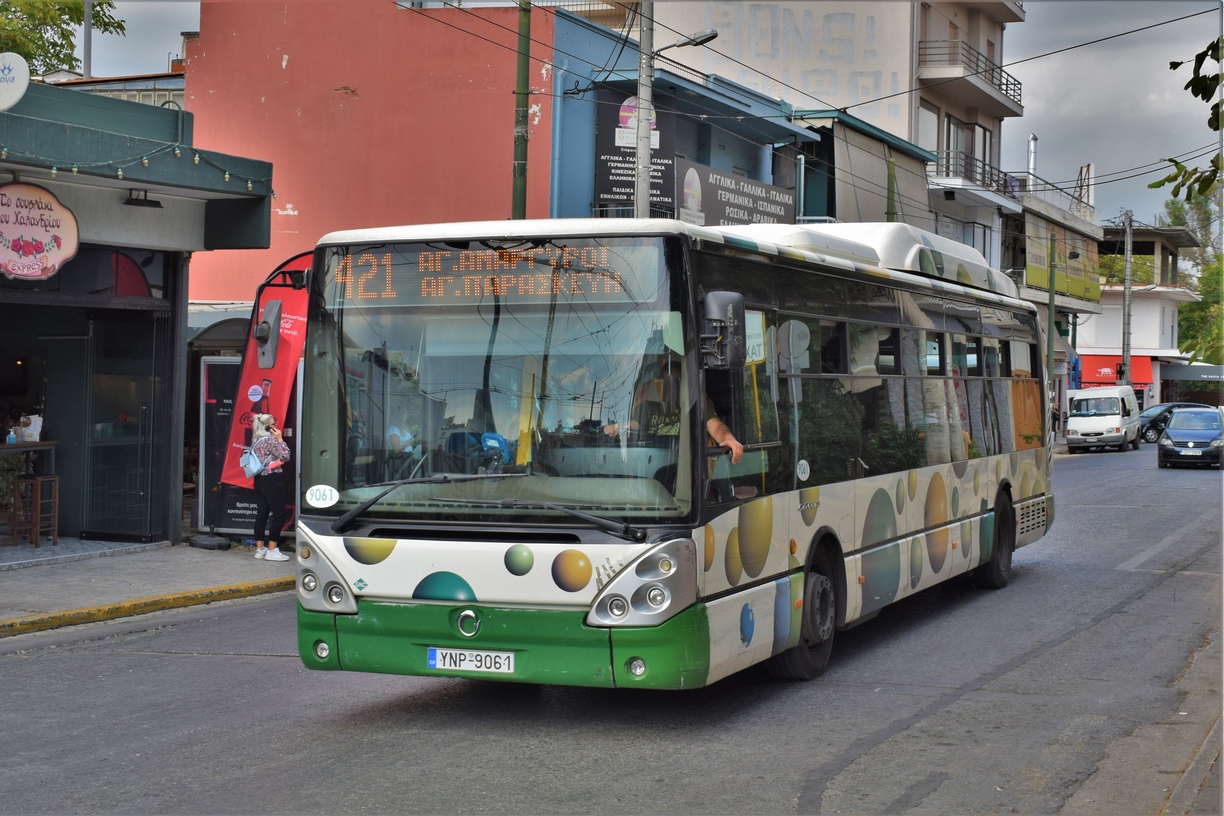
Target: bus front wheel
column 996, row 572
column 808, row 659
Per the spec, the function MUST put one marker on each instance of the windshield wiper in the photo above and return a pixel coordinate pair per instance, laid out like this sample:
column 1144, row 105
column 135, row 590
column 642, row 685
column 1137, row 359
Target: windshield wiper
column 345, row 521
column 616, row 528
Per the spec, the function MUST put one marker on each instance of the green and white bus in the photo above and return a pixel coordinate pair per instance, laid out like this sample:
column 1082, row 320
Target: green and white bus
column 884, row 382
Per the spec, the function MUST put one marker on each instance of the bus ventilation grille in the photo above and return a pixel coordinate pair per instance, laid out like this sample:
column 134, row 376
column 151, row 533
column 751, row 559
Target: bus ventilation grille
column 1031, row 518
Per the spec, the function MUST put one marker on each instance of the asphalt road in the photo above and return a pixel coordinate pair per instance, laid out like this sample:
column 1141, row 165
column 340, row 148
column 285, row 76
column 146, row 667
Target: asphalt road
column 1086, row 686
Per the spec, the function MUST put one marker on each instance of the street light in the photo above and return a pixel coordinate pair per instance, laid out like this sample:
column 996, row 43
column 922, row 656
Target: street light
column 645, row 103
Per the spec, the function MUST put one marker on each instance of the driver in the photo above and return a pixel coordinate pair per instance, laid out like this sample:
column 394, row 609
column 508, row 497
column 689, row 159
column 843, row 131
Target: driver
column 657, row 411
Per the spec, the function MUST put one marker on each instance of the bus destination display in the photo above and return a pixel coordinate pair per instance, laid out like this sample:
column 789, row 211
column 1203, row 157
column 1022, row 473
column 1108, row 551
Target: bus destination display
column 417, row 275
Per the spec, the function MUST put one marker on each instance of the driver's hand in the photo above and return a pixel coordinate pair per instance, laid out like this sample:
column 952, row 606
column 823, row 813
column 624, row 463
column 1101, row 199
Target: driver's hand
column 737, row 450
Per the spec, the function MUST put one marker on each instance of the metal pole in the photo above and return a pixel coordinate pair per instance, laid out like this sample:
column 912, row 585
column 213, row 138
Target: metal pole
column 87, row 71
column 1124, row 376
column 518, row 205
column 1050, row 328
column 645, row 108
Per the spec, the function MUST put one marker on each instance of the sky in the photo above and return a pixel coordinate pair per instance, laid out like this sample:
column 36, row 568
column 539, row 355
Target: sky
column 1113, row 104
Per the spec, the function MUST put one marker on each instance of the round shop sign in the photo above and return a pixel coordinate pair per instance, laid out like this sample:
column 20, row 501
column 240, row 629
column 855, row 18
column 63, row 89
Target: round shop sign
column 38, row 234
column 14, row 79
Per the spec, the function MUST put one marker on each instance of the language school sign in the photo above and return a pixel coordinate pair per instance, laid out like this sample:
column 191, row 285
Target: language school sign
column 711, row 198
column 38, row 234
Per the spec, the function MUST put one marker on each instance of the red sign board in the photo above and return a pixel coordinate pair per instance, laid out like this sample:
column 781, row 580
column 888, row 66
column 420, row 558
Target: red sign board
column 38, row 234
column 269, row 363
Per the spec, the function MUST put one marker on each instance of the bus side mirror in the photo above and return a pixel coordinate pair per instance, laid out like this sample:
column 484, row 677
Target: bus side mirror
column 267, row 334
column 723, row 336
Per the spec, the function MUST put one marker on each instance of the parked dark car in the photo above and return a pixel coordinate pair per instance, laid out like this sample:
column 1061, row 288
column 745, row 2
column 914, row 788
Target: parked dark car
column 1194, row 436
column 1154, row 418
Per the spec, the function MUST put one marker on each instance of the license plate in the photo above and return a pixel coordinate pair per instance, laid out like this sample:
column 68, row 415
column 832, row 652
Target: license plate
column 471, row 660
column 1192, row 453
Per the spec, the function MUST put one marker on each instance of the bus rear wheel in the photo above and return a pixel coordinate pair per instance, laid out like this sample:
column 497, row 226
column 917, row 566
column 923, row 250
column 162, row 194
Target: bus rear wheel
column 996, row 572
column 808, row 659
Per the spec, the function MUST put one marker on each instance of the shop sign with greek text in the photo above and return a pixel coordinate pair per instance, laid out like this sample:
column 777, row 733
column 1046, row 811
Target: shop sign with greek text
column 38, row 234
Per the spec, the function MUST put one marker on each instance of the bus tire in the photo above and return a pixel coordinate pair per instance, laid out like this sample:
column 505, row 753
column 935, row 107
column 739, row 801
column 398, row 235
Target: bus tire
column 996, row 572
column 808, row 659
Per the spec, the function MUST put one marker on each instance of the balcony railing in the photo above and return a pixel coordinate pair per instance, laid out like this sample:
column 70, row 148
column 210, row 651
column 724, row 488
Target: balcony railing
column 958, row 52
column 957, row 164
column 1052, row 195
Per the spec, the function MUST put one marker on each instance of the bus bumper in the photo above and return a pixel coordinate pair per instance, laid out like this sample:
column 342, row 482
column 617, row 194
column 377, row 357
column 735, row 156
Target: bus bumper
column 553, row 647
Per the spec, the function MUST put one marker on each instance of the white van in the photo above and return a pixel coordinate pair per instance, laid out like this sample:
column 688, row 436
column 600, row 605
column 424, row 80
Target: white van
column 1102, row 417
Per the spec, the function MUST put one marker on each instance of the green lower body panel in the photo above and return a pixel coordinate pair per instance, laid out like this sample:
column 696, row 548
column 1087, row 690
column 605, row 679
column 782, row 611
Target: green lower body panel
column 676, row 654
column 550, row 647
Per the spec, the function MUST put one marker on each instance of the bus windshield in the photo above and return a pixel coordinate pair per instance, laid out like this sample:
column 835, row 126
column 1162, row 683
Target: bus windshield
column 553, row 371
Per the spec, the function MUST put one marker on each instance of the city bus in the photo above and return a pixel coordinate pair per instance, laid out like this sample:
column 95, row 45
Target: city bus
column 884, row 385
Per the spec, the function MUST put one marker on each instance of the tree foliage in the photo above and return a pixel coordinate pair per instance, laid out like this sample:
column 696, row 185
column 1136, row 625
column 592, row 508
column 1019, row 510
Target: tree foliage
column 1200, row 326
column 44, row 31
column 1193, row 180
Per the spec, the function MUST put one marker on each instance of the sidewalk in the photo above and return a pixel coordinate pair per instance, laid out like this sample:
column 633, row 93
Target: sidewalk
column 85, row 581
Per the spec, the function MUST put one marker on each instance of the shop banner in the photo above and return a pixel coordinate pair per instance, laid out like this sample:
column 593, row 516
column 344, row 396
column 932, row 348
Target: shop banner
column 616, row 151
column 712, row 198
column 38, row 234
column 223, row 508
column 270, row 360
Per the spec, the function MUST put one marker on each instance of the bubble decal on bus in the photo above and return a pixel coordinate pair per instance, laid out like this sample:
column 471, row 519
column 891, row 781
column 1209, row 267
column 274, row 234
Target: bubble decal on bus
column 881, row 522
column 519, row 559
column 900, row 497
column 369, row 551
column 986, row 535
column 881, row 577
column 731, row 559
column 913, row 484
column 916, row 560
column 966, row 537
column 571, row 570
column 443, row 586
column 809, row 503
column 935, row 514
column 747, row 624
column 711, row 543
column 755, row 535
column 782, row 615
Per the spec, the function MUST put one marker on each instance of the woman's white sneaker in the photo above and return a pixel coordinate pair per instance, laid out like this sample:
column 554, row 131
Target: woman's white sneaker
column 275, row 555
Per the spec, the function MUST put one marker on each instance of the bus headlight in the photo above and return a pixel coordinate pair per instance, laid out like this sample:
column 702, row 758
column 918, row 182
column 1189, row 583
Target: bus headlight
column 658, row 585
column 320, row 586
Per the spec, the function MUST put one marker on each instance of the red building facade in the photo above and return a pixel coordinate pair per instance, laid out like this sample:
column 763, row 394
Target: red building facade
column 371, row 113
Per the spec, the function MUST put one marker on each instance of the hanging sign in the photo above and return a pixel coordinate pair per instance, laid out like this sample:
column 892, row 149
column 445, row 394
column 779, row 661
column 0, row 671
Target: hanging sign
column 38, row 234
column 14, row 79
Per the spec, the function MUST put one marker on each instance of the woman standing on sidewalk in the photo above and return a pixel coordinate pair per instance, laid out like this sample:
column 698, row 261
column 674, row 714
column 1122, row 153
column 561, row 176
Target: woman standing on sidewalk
column 271, row 487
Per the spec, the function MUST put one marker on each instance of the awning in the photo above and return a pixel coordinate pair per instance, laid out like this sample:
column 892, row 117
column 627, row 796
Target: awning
column 1197, row 373
column 1102, row 369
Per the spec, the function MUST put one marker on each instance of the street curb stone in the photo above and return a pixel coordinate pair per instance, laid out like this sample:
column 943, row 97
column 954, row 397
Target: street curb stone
column 140, row 606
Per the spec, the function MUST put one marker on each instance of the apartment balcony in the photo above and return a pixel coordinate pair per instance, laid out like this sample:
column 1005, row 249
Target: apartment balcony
column 968, row 174
column 966, row 74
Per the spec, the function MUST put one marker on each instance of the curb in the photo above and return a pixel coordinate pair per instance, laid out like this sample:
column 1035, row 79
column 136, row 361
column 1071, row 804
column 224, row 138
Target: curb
column 140, row 606
column 1193, row 779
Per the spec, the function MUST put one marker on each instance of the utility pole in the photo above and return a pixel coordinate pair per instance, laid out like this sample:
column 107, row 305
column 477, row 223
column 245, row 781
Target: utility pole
column 642, row 162
column 1050, row 327
column 1124, row 368
column 645, row 111
column 518, row 205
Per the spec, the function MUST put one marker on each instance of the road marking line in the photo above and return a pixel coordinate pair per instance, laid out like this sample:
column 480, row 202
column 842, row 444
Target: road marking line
column 1130, row 564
